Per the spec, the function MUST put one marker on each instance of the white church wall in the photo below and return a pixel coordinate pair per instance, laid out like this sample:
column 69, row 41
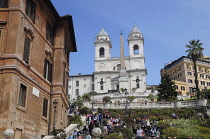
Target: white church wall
column 85, row 85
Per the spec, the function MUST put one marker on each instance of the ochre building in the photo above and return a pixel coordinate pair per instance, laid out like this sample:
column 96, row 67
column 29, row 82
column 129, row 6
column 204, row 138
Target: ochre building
column 35, row 42
column 182, row 72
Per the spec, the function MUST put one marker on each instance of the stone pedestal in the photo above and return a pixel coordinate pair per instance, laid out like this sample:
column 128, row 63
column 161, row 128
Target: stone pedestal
column 8, row 133
column 96, row 132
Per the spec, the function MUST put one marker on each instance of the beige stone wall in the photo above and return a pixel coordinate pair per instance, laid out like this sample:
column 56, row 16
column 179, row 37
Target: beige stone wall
column 28, row 120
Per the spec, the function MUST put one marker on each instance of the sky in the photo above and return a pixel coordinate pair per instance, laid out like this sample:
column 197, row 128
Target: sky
column 167, row 26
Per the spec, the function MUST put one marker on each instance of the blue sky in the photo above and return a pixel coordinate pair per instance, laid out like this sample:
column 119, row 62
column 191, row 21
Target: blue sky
column 167, row 26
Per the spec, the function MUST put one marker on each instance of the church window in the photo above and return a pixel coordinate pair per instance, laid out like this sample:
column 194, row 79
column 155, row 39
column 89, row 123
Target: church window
column 136, row 49
column 77, row 92
column 102, row 87
column 118, row 67
column 31, row 9
column 137, row 85
column 3, row 3
column 77, row 83
column 101, row 52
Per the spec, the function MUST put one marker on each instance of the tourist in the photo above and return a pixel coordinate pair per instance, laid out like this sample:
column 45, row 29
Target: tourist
column 79, row 137
column 105, row 127
column 75, row 134
column 70, row 136
column 153, row 131
column 90, row 127
column 88, row 136
column 139, row 133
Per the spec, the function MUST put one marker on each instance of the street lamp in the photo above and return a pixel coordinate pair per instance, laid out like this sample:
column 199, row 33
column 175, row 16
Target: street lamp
column 55, row 104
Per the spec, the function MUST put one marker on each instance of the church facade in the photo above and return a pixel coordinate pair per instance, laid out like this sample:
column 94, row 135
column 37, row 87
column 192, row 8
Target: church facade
column 117, row 77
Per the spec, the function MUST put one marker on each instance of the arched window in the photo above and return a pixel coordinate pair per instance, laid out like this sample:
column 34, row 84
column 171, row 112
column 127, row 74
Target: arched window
column 77, row 92
column 136, row 49
column 101, row 52
column 118, row 67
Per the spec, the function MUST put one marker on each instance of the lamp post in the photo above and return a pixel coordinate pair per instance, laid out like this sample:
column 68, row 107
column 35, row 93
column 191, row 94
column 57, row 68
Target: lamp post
column 55, row 104
column 126, row 99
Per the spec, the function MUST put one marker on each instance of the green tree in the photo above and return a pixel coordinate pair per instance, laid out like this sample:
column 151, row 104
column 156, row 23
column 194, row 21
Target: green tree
column 78, row 103
column 195, row 52
column 114, row 136
column 131, row 98
column 151, row 97
column 86, row 96
column 167, row 89
column 106, row 99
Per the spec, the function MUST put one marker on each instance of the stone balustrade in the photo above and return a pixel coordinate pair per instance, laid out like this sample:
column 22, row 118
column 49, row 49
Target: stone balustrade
column 146, row 105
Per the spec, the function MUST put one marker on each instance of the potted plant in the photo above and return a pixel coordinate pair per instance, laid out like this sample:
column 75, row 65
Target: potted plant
column 130, row 98
column 151, row 97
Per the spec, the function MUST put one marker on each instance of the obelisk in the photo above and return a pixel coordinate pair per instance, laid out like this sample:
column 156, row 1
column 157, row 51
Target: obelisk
column 123, row 80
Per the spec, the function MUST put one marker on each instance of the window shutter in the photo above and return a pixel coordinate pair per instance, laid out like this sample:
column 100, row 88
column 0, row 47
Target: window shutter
column 33, row 11
column 26, row 50
column 27, row 7
column 45, row 68
column 5, row 4
column 50, row 72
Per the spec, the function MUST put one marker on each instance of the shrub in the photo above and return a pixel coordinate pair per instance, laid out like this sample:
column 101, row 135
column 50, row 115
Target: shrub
column 127, row 132
column 106, row 99
column 163, row 124
column 113, row 136
column 83, row 110
column 74, row 120
column 100, row 110
column 170, row 132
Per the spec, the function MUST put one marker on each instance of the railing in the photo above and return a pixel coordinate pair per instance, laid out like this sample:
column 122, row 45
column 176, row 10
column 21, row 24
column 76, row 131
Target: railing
column 146, row 105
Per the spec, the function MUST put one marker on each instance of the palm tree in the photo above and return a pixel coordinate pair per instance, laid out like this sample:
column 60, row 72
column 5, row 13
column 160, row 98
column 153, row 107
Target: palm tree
column 195, row 52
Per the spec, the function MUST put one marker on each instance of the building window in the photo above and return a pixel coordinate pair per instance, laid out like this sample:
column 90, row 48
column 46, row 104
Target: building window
column 22, row 95
column 3, row 3
column 84, row 85
column 118, row 67
column 137, row 85
column 26, row 52
column 31, row 9
column 201, row 75
column 77, row 92
column 101, row 52
column 136, row 49
column 191, row 90
column 48, row 70
column 50, row 33
column 189, row 73
column 202, row 83
column 176, row 87
column 93, row 87
column 102, row 87
column 84, row 79
column 182, row 88
column 92, row 78
column 208, row 83
column 190, row 81
column 77, row 83
column 45, row 107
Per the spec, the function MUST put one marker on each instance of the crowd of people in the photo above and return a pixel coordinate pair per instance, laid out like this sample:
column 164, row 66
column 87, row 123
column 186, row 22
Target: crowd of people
column 141, row 127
